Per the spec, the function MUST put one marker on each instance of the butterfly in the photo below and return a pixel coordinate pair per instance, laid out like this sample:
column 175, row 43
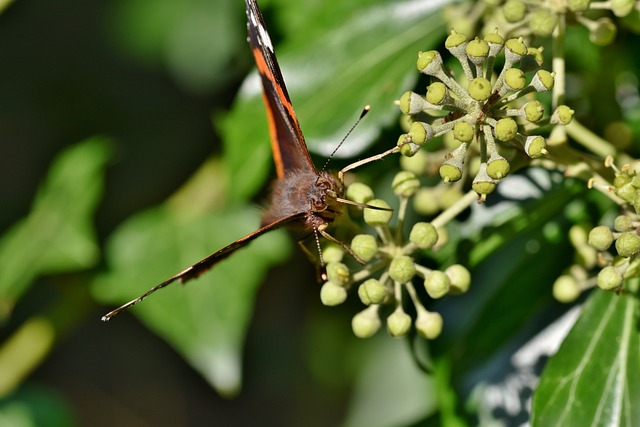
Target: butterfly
column 302, row 196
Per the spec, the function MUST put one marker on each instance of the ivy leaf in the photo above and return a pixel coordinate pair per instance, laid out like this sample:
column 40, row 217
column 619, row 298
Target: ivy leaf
column 58, row 234
column 594, row 378
column 363, row 55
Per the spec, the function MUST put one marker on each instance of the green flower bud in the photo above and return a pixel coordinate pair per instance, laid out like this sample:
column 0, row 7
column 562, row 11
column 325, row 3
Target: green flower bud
column 424, row 235
column 506, row 129
column 332, row 253
column 412, row 103
column 628, row 244
column 533, row 111
column 477, row 51
column 601, row 238
column 449, row 196
column 459, row 277
column 515, row 79
column 543, row 80
column 535, row 146
column 377, row 217
column 429, row 63
column 338, row 273
column 578, row 235
column 332, row 294
column 480, row 89
column 429, row 324
column 566, row 289
column 609, row 278
column 586, row 256
column 542, row 22
column 515, row 49
column 426, row 201
column 402, row 269
column 372, row 292
column 365, row 246
column 622, row 223
column 359, row 193
column 420, row 132
column 497, row 167
column 627, row 191
column 578, row 5
column 398, row 323
column 417, row 164
column 437, row 284
column 622, row 8
column 405, row 184
column 463, row 131
column 436, row 93
column 514, row 10
column 366, row 323
column 563, row 115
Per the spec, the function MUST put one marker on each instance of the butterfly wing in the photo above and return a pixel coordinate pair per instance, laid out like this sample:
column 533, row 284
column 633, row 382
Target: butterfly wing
column 287, row 142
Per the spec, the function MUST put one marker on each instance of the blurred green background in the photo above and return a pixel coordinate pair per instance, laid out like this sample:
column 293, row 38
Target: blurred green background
column 132, row 100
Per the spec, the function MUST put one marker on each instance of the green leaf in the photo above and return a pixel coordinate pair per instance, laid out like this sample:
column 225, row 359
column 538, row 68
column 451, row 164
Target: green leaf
column 333, row 67
column 206, row 320
column 594, row 378
column 58, row 234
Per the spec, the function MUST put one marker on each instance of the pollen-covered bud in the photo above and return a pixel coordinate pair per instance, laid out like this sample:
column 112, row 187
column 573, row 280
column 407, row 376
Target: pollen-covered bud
column 480, row 89
column 402, row 269
column 429, row 324
column 535, row 146
column 622, row 223
column 437, row 284
column 365, row 246
column 398, row 323
column 514, row 10
column 359, row 193
column 543, row 81
column 405, row 184
column 477, row 51
column 338, row 273
column 563, row 115
column 542, row 22
column 459, row 277
column 332, row 253
column 429, row 63
column 506, row 129
column 412, row 103
column 578, row 5
column 377, row 217
column 609, row 278
column 566, row 289
column 483, row 184
column 424, row 235
column 463, row 131
column 628, row 244
column 372, row 292
column 436, row 93
column 533, row 111
column 622, row 8
column 332, row 294
column 497, row 166
column 600, row 238
column 366, row 323
column 515, row 79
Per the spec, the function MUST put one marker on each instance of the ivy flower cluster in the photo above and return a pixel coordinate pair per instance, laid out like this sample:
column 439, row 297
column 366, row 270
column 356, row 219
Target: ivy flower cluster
column 483, row 108
column 615, row 251
column 391, row 267
column 539, row 18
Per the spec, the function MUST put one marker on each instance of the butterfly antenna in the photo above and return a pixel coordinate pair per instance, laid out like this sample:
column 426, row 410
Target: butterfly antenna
column 365, row 110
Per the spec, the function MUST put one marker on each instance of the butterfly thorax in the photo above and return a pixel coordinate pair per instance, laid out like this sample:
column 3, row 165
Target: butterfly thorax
column 311, row 193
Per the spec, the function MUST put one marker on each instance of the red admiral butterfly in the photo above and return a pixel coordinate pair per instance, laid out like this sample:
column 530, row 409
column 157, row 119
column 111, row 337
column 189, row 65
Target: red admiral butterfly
column 302, row 196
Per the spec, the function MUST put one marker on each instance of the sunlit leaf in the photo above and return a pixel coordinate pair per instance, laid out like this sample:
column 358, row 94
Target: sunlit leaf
column 58, row 234
column 594, row 378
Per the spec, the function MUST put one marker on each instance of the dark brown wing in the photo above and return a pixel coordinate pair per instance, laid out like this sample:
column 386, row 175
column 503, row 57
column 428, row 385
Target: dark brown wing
column 204, row 265
column 287, row 142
